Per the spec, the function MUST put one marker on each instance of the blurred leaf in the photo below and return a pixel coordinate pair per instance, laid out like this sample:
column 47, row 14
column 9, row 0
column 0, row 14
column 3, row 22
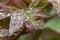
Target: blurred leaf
column 22, row 37
column 31, row 36
column 44, row 1
column 54, row 24
column 55, row 38
column 41, row 5
column 6, row 21
column 58, row 3
column 48, row 34
column 49, row 9
column 3, row 0
column 28, row 1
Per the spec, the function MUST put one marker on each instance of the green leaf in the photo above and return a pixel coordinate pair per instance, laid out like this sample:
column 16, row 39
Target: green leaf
column 54, row 24
column 50, row 10
column 6, row 22
column 27, row 1
column 31, row 36
column 55, row 38
column 23, row 37
column 41, row 5
column 58, row 3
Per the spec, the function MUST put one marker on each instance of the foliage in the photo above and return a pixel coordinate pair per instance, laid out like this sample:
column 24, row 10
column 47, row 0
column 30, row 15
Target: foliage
column 54, row 24
column 6, row 22
column 53, row 21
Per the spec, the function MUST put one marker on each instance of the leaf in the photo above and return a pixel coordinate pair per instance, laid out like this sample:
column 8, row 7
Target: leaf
column 5, row 23
column 54, row 24
column 31, row 36
column 41, row 5
column 55, row 38
column 58, row 3
column 28, row 1
column 22, row 37
column 44, row 1
column 3, row 0
column 49, row 9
